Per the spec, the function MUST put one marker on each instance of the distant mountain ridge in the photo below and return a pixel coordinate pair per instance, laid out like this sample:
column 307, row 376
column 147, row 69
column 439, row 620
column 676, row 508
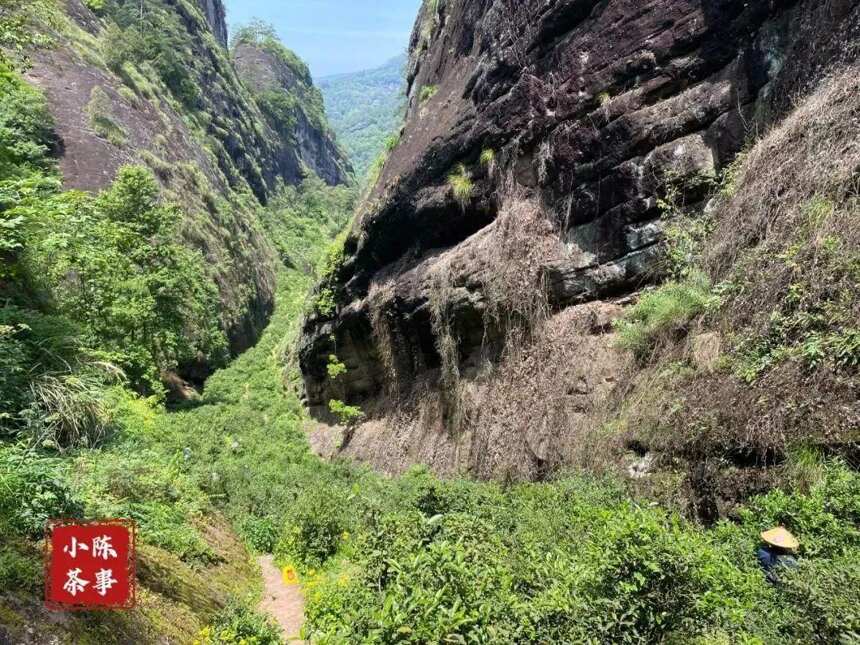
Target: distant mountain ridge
column 365, row 108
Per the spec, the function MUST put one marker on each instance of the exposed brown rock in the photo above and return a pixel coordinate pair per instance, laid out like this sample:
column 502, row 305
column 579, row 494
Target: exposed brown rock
column 591, row 108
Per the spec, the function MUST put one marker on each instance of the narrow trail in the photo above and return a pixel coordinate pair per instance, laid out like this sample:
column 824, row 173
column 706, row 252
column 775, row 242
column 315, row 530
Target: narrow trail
column 285, row 603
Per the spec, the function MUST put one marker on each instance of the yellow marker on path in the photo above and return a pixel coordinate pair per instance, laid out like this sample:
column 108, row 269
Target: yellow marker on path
column 290, row 576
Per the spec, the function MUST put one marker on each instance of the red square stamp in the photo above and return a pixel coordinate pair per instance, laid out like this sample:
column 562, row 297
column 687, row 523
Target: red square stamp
column 90, row 565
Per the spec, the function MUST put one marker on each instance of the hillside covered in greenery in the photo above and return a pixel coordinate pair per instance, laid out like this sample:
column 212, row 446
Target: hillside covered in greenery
column 365, row 109
column 171, row 307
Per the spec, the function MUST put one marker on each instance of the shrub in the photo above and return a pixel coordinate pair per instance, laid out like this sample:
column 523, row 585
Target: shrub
column 427, row 93
column 335, row 367
column 488, row 157
column 663, row 313
column 115, row 265
column 685, row 242
column 653, row 578
column 31, row 344
column 261, row 533
column 281, row 109
column 145, row 485
column 826, row 598
column 813, row 320
column 14, row 370
column 19, row 569
column 313, row 528
column 347, row 415
column 96, row 6
column 69, row 410
column 461, row 185
column 392, row 142
column 26, row 126
column 33, row 490
column 237, row 624
column 23, row 26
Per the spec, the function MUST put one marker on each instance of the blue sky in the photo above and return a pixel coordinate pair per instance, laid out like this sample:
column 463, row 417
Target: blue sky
column 334, row 36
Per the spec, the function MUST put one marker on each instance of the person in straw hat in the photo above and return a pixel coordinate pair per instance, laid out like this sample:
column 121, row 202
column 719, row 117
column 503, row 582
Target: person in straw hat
column 777, row 552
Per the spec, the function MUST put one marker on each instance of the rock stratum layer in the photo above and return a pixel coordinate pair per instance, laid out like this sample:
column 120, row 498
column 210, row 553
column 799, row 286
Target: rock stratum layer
column 527, row 193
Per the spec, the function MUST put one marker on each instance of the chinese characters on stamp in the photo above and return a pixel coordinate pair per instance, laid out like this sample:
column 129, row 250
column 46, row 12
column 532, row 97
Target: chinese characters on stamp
column 90, row 565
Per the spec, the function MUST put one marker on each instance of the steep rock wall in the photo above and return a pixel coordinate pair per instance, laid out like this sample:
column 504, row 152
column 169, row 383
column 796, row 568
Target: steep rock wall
column 306, row 138
column 592, row 111
column 216, row 16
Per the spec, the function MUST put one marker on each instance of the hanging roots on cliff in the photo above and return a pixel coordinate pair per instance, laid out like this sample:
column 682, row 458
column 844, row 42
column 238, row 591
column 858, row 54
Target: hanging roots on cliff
column 447, row 345
column 523, row 241
column 380, row 296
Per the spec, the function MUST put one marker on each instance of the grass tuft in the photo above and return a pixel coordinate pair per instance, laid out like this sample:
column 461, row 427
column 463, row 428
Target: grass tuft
column 427, row 93
column 461, row 185
column 663, row 314
column 100, row 113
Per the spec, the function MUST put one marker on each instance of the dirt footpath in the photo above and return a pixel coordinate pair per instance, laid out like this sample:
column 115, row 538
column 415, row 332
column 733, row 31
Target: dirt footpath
column 285, row 603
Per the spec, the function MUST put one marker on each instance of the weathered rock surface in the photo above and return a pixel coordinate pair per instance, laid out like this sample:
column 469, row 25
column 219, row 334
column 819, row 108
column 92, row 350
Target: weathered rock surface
column 305, row 139
column 591, row 108
column 216, row 16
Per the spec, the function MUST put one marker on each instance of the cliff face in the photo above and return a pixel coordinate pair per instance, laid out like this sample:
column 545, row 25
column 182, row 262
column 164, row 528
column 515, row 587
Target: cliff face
column 217, row 19
column 293, row 107
column 542, row 143
column 153, row 83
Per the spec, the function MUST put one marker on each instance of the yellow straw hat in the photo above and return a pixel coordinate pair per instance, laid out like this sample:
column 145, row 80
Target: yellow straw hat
column 780, row 537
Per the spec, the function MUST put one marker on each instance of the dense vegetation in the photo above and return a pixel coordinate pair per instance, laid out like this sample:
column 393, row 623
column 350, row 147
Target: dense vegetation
column 99, row 295
column 365, row 109
column 95, row 287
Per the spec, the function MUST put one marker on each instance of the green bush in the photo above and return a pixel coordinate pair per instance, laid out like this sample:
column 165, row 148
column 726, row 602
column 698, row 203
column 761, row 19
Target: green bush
column 24, row 26
column 663, row 313
column 147, row 32
column 281, row 109
column 335, row 367
column 69, row 410
column 427, row 93
column 825, row 599
column 347, row 415
column 100, row 113
column 572, row 561
column 237, row 624
column 142, row 299
column 392, row 142
column 31, row 344
column 14, row 372
column 260, row 533
column 814, row 320
column 33, row 490
column 461, row 185
column 19, row 569
column 26, row 127
column 488, row 157
column 96, row 6
column 313, row 528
